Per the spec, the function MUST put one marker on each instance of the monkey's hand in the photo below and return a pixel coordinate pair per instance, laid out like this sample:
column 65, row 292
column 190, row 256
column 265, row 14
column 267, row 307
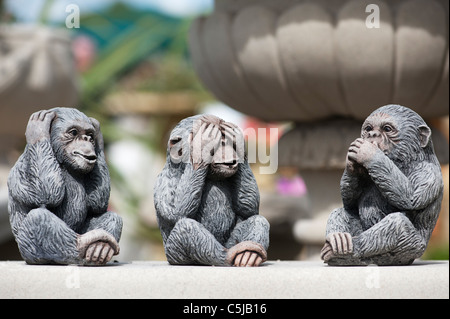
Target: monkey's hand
column 362, row 151
column 38, row 128
column 246, row 254
column 337, row 245
column 353, row 168
column 205, row 143
column 99, row 253
column 97, row 247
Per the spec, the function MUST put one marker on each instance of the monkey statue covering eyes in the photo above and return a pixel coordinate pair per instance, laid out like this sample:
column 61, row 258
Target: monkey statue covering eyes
column 59, row 192
column 392, row 190
column 206, row 197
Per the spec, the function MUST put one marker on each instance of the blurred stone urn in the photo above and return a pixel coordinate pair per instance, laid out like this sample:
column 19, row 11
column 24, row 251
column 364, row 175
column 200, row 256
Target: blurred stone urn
column 37, row 71
column 325, row 65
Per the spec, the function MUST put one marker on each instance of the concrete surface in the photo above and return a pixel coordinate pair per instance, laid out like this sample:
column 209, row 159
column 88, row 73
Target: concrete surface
column 276, row 279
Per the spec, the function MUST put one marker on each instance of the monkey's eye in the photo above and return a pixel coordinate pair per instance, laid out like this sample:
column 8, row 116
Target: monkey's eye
column 388, row 128
column 368, row 128
column 174, row 141
column 73, row 132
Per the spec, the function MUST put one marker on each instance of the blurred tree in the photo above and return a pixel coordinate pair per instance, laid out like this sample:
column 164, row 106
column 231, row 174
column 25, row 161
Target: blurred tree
column 125, row 37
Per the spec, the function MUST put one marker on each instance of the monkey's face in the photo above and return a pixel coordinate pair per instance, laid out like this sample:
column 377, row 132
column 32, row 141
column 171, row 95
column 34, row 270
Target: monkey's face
column 224, row 160
column 74, row 144
column 208, row 141
column 381, row 130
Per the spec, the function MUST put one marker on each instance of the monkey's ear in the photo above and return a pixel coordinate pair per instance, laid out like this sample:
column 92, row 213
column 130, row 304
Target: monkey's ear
column 425, row 135
column 98, row 134
column 95, row 123
column 175, row 148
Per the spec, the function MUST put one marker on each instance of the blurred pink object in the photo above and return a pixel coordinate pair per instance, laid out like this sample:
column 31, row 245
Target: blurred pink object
column 84, row 51
column 294, row 186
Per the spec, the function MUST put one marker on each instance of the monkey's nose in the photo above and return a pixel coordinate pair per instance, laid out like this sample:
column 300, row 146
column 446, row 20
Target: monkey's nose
column 374, row 134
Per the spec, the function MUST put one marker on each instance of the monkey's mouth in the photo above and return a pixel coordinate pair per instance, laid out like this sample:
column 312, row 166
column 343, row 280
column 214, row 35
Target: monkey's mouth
column 91, row 159
column 223, row 170
column 226, row 166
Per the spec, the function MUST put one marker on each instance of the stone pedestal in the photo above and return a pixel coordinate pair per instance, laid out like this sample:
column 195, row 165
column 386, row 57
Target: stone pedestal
column 273, row 280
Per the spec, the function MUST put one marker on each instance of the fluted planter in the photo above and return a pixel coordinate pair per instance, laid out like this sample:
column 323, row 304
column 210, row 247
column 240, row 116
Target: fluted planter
column 309, row 60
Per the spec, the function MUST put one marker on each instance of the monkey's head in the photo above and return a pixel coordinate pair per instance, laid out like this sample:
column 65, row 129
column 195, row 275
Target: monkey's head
column 207, row 140
column 73, row 137
column 399, row 132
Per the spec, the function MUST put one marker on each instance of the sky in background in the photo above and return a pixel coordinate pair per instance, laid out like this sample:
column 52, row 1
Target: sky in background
column 29, row 10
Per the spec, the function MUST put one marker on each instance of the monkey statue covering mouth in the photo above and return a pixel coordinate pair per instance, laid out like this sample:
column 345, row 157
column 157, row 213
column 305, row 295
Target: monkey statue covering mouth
column 392, row 190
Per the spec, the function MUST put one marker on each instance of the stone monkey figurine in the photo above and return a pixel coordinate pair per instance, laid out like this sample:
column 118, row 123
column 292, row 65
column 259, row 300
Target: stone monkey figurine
column 207, row 199
column 391, row 189
column 59, row 192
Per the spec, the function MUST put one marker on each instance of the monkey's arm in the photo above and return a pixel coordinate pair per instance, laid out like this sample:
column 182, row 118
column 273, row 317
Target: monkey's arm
column 411, row 193
column 351, row 190
column 36, row 180
column 246, row 194
column 178, row 196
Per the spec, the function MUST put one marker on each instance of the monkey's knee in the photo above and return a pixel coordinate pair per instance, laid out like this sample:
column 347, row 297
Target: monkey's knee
column 44, row 238
column 255, row 229
column 178, row 244
column 341, row 221
column 190, row 242
column 393, row 241
column 409, row 239
column 108, row 221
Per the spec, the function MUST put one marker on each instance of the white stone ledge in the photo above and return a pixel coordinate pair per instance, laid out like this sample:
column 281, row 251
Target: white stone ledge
column 276, row 279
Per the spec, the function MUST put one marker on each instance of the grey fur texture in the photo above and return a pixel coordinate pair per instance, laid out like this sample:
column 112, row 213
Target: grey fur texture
column 59, row 192
column 392, row 190
column 208, row 211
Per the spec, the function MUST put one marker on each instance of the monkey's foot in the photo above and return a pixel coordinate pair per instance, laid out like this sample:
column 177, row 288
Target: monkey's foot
column 97, row 247
column 246, row 254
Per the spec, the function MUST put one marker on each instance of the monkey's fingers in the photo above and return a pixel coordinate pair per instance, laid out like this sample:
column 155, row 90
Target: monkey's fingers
column 237, row 260
column 357, row 143
column 327, row 256
column 235, row 253
column 344, row 239
column 106, row 254
column 230, row 133
column 90, row 252
column 325, row 250
column 258, row 261
column 340, row 243
column 199, row 129
column 207, row 133
column 353, row 148
column 252, row 260
column 245, row 258
column 331, row 239
column 38, row 116
column 99, row 247
column 84, row 241
column 352, row 155
column 349, row 239
column 248, row 259
column 197, row 147
column 216, row 137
